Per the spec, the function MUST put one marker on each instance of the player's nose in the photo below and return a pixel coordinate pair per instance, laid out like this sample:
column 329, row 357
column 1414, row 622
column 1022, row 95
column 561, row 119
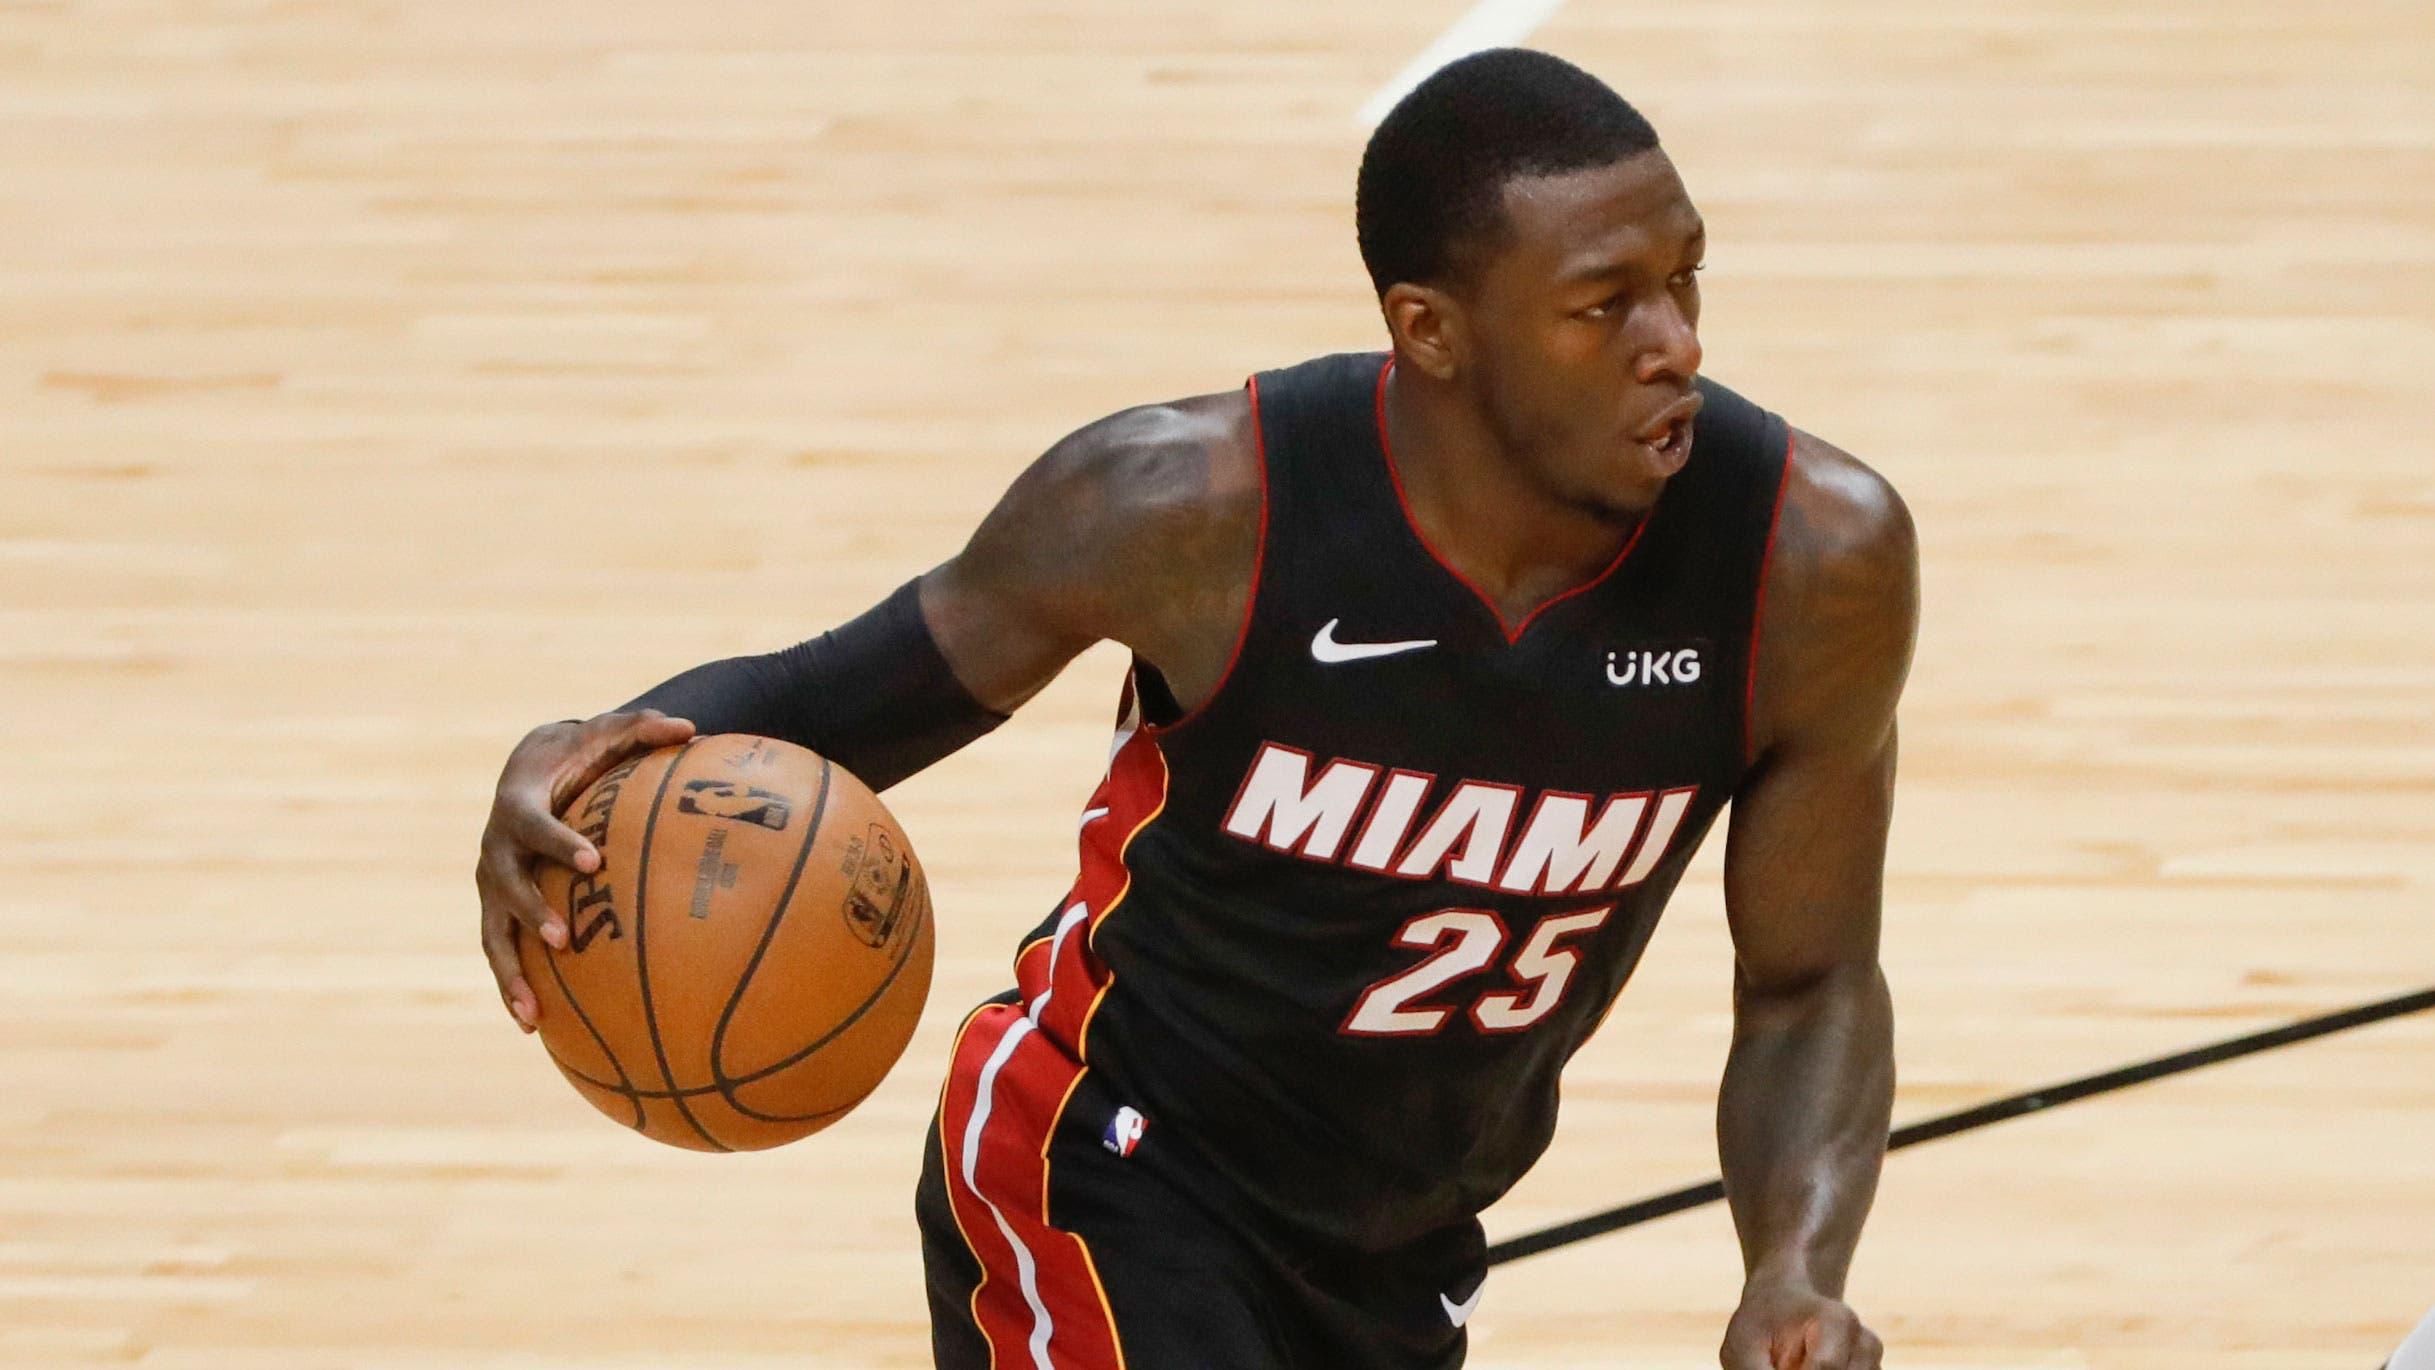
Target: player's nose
column 1672, row 349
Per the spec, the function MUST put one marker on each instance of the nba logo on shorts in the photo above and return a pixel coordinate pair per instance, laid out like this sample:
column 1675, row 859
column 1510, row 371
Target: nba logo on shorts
column 1124, row 1132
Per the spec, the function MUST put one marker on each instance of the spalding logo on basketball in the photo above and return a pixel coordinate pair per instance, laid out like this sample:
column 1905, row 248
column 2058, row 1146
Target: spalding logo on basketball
column 711, row 996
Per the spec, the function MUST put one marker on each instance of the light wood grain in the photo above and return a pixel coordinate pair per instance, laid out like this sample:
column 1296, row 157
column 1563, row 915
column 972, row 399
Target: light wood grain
column 381, row 379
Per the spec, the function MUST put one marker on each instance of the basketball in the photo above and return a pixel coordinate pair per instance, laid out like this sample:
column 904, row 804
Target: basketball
column 752, row 954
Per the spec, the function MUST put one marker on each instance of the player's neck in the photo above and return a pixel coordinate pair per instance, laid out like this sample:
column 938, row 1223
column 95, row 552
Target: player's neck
column 1479, row 510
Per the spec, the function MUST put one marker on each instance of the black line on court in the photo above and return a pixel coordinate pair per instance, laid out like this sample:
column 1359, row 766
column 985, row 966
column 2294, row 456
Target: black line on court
column 2036, row 1100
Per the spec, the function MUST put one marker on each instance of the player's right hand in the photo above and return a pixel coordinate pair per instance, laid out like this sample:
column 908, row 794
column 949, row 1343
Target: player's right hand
column 543, row 774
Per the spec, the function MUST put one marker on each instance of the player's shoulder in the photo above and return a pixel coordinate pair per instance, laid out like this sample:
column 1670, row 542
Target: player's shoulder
column 1171, row 460
column 1842, row 527
column 1122, row 528
column 1840, row 606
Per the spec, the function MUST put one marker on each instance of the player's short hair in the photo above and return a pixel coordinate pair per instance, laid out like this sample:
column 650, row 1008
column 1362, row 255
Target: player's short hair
column 1432, row 182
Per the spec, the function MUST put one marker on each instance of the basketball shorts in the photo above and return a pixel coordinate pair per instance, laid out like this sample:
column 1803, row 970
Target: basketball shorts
column 1056, row 1236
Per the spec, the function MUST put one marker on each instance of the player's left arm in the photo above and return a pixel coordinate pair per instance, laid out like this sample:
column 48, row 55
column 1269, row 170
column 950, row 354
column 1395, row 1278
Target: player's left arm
column 1809, row 1084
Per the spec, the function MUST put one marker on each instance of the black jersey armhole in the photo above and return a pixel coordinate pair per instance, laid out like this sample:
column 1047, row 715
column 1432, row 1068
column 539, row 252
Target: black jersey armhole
column 1161, row 712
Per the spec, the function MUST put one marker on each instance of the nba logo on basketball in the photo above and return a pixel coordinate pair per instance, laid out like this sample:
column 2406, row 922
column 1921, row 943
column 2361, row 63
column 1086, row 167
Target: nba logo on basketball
column 1124, row 1132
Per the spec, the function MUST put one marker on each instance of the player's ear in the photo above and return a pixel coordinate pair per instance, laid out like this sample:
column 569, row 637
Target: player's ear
column 1424, row 321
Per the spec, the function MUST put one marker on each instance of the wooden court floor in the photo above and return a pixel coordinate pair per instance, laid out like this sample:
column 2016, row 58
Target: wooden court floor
column 378, row 379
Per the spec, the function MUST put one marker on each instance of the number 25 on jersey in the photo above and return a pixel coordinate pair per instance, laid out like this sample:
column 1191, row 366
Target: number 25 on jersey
column 1463, row 942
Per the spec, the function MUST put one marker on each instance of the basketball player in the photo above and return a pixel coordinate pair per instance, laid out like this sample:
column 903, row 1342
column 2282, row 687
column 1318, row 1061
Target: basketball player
column 1445, row 659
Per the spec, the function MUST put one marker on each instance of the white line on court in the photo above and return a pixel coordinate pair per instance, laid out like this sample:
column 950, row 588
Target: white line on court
column 2418, row 1353
column 1487, row 24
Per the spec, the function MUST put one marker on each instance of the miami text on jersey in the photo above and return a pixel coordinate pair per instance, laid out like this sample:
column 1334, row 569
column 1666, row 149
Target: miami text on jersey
column 1287, row 804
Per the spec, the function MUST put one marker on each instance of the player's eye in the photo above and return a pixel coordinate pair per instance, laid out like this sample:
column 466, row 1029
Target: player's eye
column 1689, row 275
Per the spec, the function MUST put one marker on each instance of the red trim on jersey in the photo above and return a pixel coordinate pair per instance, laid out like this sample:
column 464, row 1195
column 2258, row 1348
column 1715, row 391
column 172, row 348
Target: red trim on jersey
column 1039, row 1293
column 1758, row 609
column 1251, row 597
column 1514, row 633
column 1071, row 976
column 1014, row 1070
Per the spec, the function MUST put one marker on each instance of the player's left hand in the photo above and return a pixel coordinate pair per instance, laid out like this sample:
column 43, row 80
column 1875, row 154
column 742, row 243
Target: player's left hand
column 1786, row 1325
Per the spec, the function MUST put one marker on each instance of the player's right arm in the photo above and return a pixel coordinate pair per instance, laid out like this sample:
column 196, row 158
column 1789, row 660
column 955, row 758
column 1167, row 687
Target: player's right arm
column 1141, row 528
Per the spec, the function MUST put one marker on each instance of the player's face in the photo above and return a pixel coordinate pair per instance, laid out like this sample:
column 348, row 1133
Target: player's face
column 1584, row 324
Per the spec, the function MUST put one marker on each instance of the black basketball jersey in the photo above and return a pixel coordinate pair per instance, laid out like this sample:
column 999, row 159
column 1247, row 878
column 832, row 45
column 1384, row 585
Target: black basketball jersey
column 1338, row 930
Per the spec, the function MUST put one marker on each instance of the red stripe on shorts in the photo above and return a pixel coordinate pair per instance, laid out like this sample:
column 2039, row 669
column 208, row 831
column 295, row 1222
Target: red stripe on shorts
column 1039, row 1303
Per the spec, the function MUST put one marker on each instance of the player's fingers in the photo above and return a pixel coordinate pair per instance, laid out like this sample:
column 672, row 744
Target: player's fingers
column 1788, row 1349
column 537, row 832
column 617, row 736
column 1869, row 1354
column 1828, row 1340
column 499, row 948
column 507, row 889
column 655, row 729
column 1744, row 1353
column 606, row 740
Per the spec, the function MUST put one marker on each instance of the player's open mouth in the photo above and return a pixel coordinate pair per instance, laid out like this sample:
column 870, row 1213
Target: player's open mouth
column 1668, row 435
column 1672, row 449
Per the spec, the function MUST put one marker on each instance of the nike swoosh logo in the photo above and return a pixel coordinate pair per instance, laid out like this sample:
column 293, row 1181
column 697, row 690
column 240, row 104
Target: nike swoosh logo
column 1090, row 816
column 1460, row 1313
column 1328, row 651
